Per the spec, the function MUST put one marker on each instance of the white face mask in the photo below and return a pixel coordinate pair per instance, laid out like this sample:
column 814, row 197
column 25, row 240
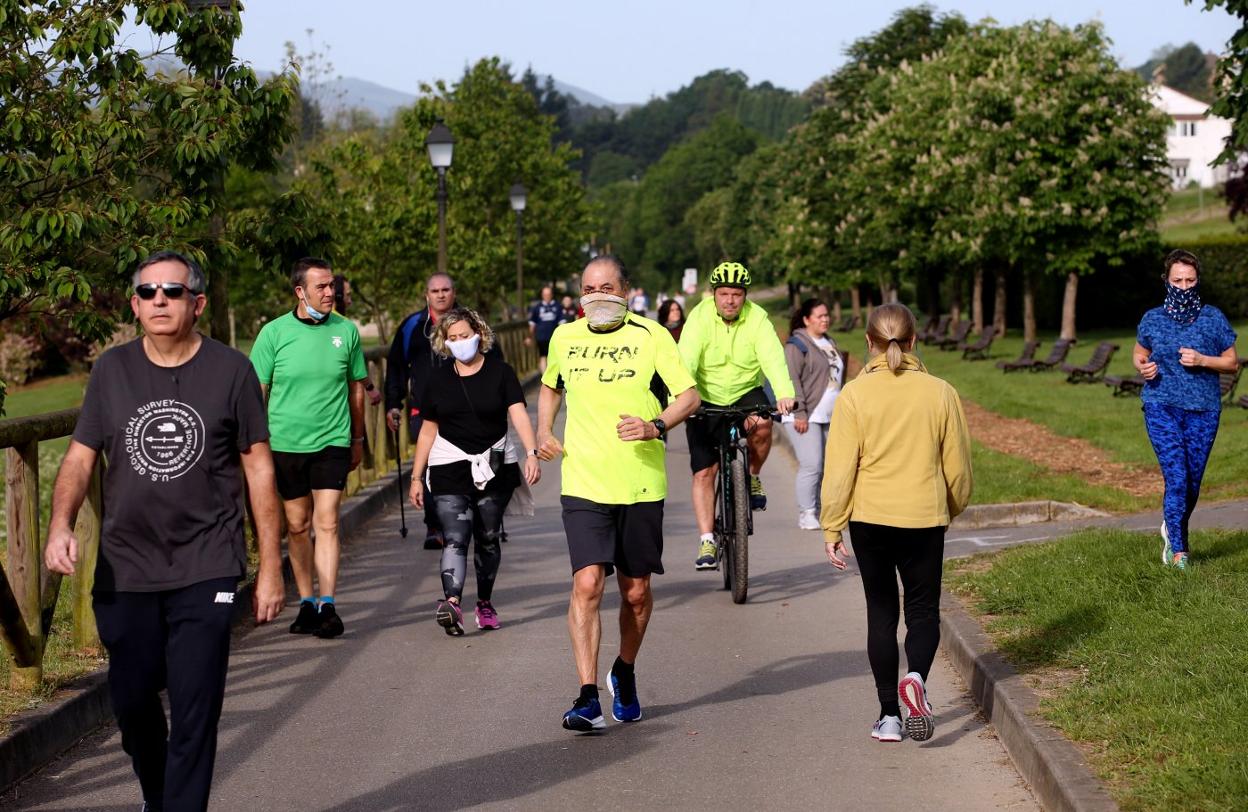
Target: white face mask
column 465, row 350
column 603, row 310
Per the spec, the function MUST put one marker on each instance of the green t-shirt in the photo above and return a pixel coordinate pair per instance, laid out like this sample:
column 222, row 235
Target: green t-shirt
column 605, row 375
column 306, row 368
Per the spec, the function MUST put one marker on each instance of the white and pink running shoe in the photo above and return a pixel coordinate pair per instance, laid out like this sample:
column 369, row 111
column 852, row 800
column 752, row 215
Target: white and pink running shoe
column 913, row 696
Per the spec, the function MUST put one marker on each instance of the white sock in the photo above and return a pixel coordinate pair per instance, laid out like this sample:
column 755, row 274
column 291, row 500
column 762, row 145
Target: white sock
column 707, row 537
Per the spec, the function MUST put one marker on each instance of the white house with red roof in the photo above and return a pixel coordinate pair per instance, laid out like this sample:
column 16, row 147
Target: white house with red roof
column 1195, row 138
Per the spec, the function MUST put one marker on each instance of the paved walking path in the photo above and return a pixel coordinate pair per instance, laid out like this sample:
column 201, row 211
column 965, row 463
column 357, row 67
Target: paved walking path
column 746, row 706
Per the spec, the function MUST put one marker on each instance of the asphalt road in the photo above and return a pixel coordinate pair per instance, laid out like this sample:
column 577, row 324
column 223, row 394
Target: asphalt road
column 752, row 706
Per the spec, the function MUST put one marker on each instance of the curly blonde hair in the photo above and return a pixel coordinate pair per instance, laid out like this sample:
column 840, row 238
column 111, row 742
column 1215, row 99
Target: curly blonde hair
column 458, row 314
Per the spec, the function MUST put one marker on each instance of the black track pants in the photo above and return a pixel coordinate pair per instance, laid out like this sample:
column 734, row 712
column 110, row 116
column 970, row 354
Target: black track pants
column 180, row 640
column 917, row 555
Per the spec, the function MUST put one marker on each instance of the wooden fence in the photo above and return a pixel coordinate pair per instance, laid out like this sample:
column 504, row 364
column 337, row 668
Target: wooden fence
column 29, row 592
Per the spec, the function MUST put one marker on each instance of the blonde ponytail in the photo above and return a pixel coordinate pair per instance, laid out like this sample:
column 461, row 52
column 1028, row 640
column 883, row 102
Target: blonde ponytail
column 889, row 327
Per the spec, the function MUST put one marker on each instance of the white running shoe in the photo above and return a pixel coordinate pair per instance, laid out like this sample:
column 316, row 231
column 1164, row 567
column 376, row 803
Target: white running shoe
column 887, row 729
column 1165, row 544
column 807, row 520
column 913, row 696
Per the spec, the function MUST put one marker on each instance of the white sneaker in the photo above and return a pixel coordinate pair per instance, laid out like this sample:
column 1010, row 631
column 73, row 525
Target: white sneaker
column 1165, row 545
column 913, row 696
column 807, row 520
column 887, row 729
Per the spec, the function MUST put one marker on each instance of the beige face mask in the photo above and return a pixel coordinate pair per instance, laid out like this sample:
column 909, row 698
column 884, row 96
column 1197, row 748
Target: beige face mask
column 603, row 310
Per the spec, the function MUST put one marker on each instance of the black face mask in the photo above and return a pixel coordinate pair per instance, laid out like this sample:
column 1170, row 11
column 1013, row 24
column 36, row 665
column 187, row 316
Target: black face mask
column 1183, row 305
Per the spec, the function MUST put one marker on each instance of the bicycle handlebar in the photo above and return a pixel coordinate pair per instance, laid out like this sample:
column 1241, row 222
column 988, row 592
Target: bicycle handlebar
column 735, row 411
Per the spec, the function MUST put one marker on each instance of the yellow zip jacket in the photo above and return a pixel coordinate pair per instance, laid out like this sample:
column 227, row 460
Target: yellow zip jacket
column 898, row 452
column 728, row 359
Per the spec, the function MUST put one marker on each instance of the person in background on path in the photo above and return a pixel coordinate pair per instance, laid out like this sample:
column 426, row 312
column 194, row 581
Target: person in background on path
column 671, row 316
column 544, row 317
column 464, row 459
column 614, row 479
column 408, row 366
column 640, row 302
column 311, row 367
column 817, row 371
column 729, row 345
column 1180, row 348
column 176, row 415
column 571, row 312
column 342, row 302
column 896, row 472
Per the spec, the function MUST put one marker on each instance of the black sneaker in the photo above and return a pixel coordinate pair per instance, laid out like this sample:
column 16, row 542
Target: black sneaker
column 330, row 624
column 433, row 540
column 307, row 621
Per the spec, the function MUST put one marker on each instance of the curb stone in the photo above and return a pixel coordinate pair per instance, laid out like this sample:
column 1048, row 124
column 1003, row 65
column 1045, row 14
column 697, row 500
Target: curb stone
column 38, row 736
column 1053, row 767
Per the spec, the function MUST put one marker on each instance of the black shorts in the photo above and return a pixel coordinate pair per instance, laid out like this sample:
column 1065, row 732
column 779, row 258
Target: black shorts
column 298, row 474
column 702, row 431
column 626, row 536
column 543, row 347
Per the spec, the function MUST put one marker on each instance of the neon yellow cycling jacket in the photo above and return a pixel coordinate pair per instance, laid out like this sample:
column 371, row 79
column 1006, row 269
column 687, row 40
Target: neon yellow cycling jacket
column 728, row 359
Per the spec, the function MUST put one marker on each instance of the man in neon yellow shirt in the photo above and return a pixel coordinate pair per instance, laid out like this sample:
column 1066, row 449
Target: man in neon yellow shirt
column 729, row 345
column 614, row 479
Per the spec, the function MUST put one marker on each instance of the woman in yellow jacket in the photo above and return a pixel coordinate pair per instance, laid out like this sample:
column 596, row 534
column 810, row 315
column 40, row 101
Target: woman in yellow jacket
column 897, row 469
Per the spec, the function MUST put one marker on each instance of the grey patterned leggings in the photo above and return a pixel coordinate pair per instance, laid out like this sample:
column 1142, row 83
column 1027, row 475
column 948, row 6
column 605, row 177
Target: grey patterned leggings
column 464, row 518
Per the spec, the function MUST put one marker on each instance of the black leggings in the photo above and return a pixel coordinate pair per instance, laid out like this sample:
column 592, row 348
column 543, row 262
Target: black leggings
column 918, row 556
column 464, row 518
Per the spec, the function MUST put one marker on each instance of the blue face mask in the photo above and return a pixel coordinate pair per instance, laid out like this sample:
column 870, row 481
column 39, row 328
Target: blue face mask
column 1183, row 305
column 312, row 312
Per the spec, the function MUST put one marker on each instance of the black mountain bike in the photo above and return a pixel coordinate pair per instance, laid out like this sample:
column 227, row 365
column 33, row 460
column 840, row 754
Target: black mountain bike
column 734, row 521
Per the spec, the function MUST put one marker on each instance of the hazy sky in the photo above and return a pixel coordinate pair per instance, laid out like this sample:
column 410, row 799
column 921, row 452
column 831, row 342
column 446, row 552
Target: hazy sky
column 629, row 51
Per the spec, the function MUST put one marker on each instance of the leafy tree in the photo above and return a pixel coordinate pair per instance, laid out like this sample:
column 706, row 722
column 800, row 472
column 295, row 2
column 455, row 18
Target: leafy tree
column 1187, row 71
column 1231, row 81
column 101, row 161
column 377, row 195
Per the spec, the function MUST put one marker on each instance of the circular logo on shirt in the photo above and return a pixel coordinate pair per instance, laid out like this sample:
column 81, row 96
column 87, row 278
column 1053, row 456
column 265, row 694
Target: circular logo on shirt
column 164, row 439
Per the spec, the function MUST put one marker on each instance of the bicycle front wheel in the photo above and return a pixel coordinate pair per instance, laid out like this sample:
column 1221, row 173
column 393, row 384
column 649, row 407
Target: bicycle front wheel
column 739, row 538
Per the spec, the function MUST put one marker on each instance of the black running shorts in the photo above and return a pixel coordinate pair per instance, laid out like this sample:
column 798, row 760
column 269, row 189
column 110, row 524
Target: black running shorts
column 299, row 474
column 543, row 347
column 626, row 536
column 702, row 431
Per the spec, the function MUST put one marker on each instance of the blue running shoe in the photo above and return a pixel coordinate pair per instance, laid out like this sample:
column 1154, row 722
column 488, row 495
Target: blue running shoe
column 622, row 710
column 585, row 716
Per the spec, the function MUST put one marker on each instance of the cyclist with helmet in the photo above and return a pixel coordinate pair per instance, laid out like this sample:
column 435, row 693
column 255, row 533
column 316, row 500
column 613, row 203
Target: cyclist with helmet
column 729, row 346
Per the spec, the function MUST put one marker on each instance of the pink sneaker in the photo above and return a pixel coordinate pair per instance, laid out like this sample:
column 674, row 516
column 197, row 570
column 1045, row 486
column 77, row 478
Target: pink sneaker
column 487, row 618
column 450, row 617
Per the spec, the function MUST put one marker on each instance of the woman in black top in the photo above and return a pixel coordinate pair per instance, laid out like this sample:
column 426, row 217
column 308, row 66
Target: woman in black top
column 461, row 454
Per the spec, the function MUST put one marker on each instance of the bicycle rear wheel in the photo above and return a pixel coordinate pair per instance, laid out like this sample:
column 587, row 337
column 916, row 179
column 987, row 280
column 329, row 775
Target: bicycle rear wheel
column 739, row 539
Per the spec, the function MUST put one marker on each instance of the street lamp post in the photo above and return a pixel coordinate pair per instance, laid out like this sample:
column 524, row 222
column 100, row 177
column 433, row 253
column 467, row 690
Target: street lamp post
column 518, row 202
column 441, row 144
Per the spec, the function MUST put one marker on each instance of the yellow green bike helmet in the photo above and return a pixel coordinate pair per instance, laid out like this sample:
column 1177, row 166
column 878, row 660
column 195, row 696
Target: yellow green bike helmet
column 731, row 275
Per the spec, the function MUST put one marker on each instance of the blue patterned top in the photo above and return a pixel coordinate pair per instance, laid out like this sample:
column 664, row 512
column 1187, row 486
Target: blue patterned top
column 1191, row 388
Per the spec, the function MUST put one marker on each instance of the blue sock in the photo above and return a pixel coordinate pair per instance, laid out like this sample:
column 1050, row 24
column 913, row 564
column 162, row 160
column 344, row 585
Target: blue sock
column 308, row 599
column 327, row 599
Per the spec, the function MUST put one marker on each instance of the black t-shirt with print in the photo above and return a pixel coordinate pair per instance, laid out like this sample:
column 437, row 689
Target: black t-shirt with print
column 173, row 488
column 471, row 413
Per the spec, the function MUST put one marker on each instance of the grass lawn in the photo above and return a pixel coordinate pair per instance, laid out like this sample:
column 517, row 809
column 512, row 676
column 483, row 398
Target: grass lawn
column 1086, row 411
column 1192, row 214
column 1002, row 478
column 1141, row 666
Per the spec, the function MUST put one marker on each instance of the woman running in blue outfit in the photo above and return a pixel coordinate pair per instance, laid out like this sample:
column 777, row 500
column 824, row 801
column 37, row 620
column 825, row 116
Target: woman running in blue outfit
column 1180, row 349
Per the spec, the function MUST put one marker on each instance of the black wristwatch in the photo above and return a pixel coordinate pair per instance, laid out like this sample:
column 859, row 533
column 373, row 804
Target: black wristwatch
column 660, row 425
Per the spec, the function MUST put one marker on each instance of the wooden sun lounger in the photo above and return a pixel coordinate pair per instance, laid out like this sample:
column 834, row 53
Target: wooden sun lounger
column 1132, row 385
column 1230, row 380
column 937, row 332
column 1057, row 355
column 979, row 350
column 1095, row 368
column 1027, row 359
column 955, row 339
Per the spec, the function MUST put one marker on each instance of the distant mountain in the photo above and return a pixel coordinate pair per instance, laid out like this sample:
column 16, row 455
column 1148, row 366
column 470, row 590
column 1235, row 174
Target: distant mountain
column 348, row 93
column 585, row 97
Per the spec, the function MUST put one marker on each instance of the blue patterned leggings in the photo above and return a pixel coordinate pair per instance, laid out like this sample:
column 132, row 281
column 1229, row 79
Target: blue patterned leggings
column 1182, row 441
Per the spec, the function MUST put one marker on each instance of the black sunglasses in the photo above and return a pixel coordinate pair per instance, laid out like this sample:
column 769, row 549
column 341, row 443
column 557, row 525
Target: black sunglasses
column 173, row 290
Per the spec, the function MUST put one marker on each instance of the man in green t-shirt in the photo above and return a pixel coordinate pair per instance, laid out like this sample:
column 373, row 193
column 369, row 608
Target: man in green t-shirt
column 311, row 368
column 614, row 480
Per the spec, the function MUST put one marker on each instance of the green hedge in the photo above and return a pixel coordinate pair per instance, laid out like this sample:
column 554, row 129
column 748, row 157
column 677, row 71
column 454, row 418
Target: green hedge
column 1224, row 277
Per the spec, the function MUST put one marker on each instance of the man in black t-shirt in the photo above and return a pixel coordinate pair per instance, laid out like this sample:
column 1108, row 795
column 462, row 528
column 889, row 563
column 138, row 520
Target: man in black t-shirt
column 175, row 414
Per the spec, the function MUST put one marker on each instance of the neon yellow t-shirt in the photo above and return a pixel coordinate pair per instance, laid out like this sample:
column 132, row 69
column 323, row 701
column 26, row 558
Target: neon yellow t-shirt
column 307, row 368
column 605, row 375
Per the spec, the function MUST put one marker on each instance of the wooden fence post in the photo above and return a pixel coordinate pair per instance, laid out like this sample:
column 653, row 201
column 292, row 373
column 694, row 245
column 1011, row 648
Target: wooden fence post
column 90, row 524
column 24, row 568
